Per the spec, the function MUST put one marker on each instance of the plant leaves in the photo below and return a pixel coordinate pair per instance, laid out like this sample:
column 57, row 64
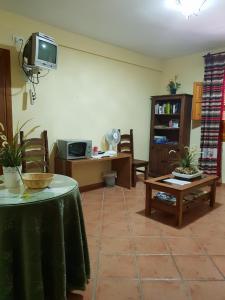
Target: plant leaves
column 11, row 153
column 30, row 131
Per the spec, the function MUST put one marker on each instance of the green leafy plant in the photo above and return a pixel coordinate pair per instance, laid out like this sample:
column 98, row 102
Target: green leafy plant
column 188, row 162
column 11, row 152
column 173, row 84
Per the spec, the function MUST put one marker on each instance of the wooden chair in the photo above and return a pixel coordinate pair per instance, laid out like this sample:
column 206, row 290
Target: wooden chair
column 35, row 156
column 126, row 145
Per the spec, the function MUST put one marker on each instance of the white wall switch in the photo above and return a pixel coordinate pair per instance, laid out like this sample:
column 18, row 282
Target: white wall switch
column 18, row 41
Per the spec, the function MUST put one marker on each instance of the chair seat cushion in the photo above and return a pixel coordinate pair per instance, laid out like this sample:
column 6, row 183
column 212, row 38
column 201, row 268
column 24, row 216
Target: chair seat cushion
column 139, row 163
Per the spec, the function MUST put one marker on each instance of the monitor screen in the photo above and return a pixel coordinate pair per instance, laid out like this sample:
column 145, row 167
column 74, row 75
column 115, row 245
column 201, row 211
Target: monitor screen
column 77, row 149
column 47, row 51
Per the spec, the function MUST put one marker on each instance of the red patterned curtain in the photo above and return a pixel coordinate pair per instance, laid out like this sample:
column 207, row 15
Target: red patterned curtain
column 212, row 113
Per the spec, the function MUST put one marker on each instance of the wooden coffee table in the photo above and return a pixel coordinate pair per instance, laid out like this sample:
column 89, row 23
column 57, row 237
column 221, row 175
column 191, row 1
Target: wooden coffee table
column 181, row 192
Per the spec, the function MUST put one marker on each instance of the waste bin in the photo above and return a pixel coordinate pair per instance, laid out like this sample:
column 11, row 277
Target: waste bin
column 110, row 178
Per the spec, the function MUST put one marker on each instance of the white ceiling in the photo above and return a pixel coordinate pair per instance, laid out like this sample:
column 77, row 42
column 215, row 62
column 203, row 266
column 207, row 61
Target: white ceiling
column 145, row 26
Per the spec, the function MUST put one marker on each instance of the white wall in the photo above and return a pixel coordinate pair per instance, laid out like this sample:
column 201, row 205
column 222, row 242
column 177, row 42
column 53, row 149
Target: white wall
column 96, row 87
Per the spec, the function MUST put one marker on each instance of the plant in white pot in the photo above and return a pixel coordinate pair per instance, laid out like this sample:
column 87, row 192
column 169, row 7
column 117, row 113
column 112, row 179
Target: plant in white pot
column 11, row 156
column 173, row 85
column 188, row 163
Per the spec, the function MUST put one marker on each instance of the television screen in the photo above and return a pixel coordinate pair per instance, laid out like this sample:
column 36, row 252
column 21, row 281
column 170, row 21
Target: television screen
column 47, row 51
column 40, row 51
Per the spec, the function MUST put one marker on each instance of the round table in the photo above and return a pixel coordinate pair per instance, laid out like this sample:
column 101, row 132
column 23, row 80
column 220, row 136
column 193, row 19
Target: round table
column 43, row 245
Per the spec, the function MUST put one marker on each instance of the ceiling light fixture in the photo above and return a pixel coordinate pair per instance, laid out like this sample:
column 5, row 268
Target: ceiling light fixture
column 190, row 7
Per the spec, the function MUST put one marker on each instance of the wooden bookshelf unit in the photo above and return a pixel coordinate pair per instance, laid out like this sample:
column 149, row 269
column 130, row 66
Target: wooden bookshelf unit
column 170, row 129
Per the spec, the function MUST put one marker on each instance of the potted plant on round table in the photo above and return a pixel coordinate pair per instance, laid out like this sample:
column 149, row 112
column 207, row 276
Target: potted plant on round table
column 11, row 156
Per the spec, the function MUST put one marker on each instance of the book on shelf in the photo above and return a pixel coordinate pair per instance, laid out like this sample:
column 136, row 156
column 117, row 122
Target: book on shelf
column 162, row 196
column 157, row 109
column 160, row 109
column 176, row 108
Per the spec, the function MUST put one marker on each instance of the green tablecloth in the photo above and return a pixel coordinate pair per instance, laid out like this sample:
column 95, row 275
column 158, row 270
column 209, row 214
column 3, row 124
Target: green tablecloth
column 43, row 245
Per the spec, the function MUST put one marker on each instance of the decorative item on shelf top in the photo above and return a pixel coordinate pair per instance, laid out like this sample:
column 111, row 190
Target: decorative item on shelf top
column 173, row 85
column 188, row 163
column 11, row 156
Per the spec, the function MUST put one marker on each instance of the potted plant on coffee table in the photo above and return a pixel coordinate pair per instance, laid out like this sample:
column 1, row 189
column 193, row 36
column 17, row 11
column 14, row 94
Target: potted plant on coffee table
column 11, row 156
column 187, row 164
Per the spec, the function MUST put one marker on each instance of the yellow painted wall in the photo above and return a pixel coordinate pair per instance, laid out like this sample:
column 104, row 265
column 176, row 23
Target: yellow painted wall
column 189, row 69
column 96, row 86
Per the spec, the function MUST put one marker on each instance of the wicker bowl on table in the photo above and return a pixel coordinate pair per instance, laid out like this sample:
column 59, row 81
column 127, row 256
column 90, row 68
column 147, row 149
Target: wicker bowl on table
column 37, row 180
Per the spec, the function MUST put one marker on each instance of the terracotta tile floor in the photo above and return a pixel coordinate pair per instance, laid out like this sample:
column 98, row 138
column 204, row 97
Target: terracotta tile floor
column 137, row 257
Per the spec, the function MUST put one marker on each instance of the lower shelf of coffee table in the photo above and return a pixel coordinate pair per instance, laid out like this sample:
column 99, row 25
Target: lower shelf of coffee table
column 170, row 207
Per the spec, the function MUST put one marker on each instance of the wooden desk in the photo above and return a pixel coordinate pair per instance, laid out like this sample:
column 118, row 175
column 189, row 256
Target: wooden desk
column 179, row 191
column 88, row 172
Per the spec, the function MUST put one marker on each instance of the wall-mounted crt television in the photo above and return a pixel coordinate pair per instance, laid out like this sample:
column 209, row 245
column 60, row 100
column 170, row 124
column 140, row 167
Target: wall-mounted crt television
column 40, row 51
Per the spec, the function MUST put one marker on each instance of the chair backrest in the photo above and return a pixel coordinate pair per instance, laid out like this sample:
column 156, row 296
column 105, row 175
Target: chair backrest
column 35, row 156
column 126, row 144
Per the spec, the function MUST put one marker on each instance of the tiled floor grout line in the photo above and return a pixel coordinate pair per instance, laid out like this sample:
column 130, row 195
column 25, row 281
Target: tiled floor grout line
column 179, row 280
column 189, row 280
column 135, row 255
column 184, row 283
column 212, row 261
column 95, row 279
column 184, row 286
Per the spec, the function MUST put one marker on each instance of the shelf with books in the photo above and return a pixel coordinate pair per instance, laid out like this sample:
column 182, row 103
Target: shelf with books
column 168, row 115
column 166, row 137
column 167, row 107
